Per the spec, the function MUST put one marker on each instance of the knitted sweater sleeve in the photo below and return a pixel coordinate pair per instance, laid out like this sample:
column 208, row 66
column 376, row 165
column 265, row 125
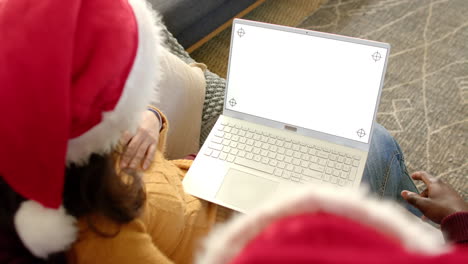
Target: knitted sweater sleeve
column 455, row 227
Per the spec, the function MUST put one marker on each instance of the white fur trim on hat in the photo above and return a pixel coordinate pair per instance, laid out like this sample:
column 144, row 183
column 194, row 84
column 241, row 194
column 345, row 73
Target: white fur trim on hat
column 226, row 241
column 140, row 88
column 44, row 231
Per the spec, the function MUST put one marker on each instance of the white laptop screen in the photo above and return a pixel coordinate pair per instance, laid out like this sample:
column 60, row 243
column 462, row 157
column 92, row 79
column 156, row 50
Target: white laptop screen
column 317, row 83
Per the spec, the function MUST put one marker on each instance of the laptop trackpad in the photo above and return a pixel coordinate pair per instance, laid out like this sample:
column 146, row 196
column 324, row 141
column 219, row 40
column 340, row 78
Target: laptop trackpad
column 244, row 190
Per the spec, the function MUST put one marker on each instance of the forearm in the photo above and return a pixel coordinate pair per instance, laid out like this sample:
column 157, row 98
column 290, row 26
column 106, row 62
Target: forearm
column 455, row 227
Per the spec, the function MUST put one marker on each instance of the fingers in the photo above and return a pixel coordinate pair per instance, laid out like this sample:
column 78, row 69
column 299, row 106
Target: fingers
column 140, row 153
column 140, row 149
column 125, row 139
column 425, row 193
column 423, row 176
column 416, row 200
column 131, row 151
column 404, row 194
column 149, row 156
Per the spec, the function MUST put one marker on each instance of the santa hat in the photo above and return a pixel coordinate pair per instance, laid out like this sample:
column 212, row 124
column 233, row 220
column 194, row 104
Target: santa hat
column 74, row 75
column 328, row 225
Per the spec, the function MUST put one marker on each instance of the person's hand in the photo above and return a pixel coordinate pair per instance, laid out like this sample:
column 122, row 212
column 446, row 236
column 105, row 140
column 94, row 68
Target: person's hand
column 437, row 201
column 139, row 149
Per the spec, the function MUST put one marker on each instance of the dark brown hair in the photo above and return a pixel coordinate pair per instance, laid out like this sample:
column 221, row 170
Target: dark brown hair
column 98, row 188
column 95, row 188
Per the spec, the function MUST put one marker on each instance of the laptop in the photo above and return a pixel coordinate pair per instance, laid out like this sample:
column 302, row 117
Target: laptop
column 300, row 107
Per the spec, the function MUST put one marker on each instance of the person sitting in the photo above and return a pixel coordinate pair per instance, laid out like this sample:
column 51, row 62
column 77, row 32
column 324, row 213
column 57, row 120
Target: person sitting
column 86, row 94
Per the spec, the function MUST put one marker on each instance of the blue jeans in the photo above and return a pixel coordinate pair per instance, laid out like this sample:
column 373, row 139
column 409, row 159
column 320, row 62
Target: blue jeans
column 385, row 170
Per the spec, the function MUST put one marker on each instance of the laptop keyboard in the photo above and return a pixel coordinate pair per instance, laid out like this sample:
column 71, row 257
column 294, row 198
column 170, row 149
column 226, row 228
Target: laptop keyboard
column 284, row 158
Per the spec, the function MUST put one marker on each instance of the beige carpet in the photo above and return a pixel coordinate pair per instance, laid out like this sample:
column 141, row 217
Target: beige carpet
column 425, row 96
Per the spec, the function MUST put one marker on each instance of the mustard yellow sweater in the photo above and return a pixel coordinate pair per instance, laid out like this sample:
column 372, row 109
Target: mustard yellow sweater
column 166, row 232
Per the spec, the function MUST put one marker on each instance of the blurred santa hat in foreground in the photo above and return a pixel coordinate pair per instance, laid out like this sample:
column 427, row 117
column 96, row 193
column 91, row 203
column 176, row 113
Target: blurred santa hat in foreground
column 328, row 225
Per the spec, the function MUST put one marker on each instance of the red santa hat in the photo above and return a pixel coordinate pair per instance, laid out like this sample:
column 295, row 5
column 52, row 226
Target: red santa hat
column 328, row 225
column 74, row 75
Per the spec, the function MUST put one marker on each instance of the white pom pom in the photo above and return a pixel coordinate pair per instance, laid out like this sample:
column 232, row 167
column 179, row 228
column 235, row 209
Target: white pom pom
column 43, row 230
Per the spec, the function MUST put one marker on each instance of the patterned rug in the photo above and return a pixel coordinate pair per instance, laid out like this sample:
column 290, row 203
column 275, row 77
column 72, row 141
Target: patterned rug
column 425, row 95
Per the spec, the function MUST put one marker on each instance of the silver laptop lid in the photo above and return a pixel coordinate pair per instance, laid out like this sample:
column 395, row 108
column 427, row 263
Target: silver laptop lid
column 321, row 85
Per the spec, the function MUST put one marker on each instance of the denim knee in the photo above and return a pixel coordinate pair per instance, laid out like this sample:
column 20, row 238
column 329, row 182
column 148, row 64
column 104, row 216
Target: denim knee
column 385, row 170
column 382, row 141
column 384, row 163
